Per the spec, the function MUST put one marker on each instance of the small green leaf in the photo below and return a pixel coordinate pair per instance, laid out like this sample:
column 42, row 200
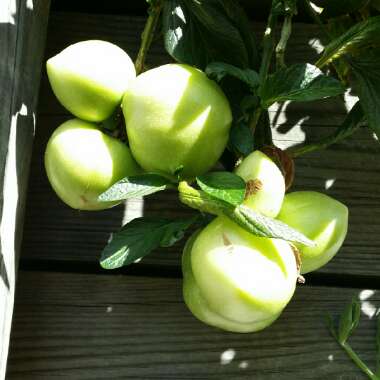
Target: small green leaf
column 218, row 70
column 367, row 74
column 251, row 221
column 225, row 186
column 300, row 82
column 361, row 35
column 241, row 139
column 141, row 236
column 135, row 186
column 349, row 320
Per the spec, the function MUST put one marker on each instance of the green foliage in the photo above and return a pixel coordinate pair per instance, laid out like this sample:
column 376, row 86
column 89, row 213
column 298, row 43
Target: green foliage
column 366, row 68
column 246, row 218
column 241, row 139
column 198, row 32
column 219, row 70
column 362, row 35
column 348, row 322
column 141, row 236
column 135, row 186
column 225, row 186
column 299, row 82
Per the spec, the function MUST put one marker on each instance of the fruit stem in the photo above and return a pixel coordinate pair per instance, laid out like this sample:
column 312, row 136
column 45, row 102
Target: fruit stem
column 148, row 33
column 355, row 358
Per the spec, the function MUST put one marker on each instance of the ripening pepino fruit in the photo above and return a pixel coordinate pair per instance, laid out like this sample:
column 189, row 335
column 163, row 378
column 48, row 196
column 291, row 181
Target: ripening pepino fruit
column 237, row 281
column 265, row 182
column 82, row 162
column 89, row 78
column 177, row 120
column 319, row 217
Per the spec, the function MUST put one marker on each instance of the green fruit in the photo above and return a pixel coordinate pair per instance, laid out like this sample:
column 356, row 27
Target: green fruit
column 177, row 120
column 237, row 281
column 82, row 162
column 89, row 78
column 319, row 217
column 268, row 183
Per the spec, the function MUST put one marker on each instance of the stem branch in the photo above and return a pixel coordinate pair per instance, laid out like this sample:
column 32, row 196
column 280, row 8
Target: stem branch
column 147, row 34
column 285, row 34
column 355, row 358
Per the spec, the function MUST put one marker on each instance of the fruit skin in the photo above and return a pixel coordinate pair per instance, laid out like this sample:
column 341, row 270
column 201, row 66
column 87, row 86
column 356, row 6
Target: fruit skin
column 89, row 78
column 319, row 217
column 82, row 162
column 268, row 199
column 176, row 117
column 234, row 280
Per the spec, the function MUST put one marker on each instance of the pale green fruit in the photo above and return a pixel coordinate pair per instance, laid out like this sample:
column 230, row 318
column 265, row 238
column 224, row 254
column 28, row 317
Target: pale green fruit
column 82, row 162
column 319, row 217
column 89, row 78
column 176, row 119
column 237, row 281
column 270, row 184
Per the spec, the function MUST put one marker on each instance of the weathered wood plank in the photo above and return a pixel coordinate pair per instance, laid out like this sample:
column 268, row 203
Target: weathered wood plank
column 74, row 326
column 23, row 27
column 349, row 171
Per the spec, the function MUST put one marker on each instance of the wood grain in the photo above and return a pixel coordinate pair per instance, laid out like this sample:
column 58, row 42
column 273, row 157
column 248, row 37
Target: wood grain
column 86, row 327
column 22, row 40
column 348, row 171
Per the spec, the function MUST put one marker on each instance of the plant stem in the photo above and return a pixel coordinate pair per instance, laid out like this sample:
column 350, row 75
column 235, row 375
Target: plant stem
column 353, row 121
column 324, row 143
column 355, row 358
column 148, row 33
column 268, row 42
column 281, row 46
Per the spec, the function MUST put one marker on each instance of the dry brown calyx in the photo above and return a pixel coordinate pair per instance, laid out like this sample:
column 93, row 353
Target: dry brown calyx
column 252, row 187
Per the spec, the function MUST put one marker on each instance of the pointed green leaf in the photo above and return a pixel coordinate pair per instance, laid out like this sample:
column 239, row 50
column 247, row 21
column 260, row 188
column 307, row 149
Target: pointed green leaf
column 219, row 70
column 135, row 186
column 241, row 139
column 361, row 35
column 299, row 82
column 225, row 186
column 349, row 320
column 139, row 237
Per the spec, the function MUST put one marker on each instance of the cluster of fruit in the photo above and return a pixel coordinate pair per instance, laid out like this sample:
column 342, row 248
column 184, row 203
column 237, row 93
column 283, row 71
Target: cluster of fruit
column 240, row 282
column 177, row 123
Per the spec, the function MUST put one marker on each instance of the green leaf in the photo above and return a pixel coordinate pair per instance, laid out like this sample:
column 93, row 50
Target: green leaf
column 367, row 74
column 264, row 226
column 218, row 70
column 225, row 186
column 361, row 35
column 141, row 236
column 251, row 221
column 300, row 82
column 349, row 320
column 198, row 32
column 241, row 139
column 135, row 186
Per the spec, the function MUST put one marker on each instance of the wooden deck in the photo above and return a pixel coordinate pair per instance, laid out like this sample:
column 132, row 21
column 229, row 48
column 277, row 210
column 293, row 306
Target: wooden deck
column 75, row 321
